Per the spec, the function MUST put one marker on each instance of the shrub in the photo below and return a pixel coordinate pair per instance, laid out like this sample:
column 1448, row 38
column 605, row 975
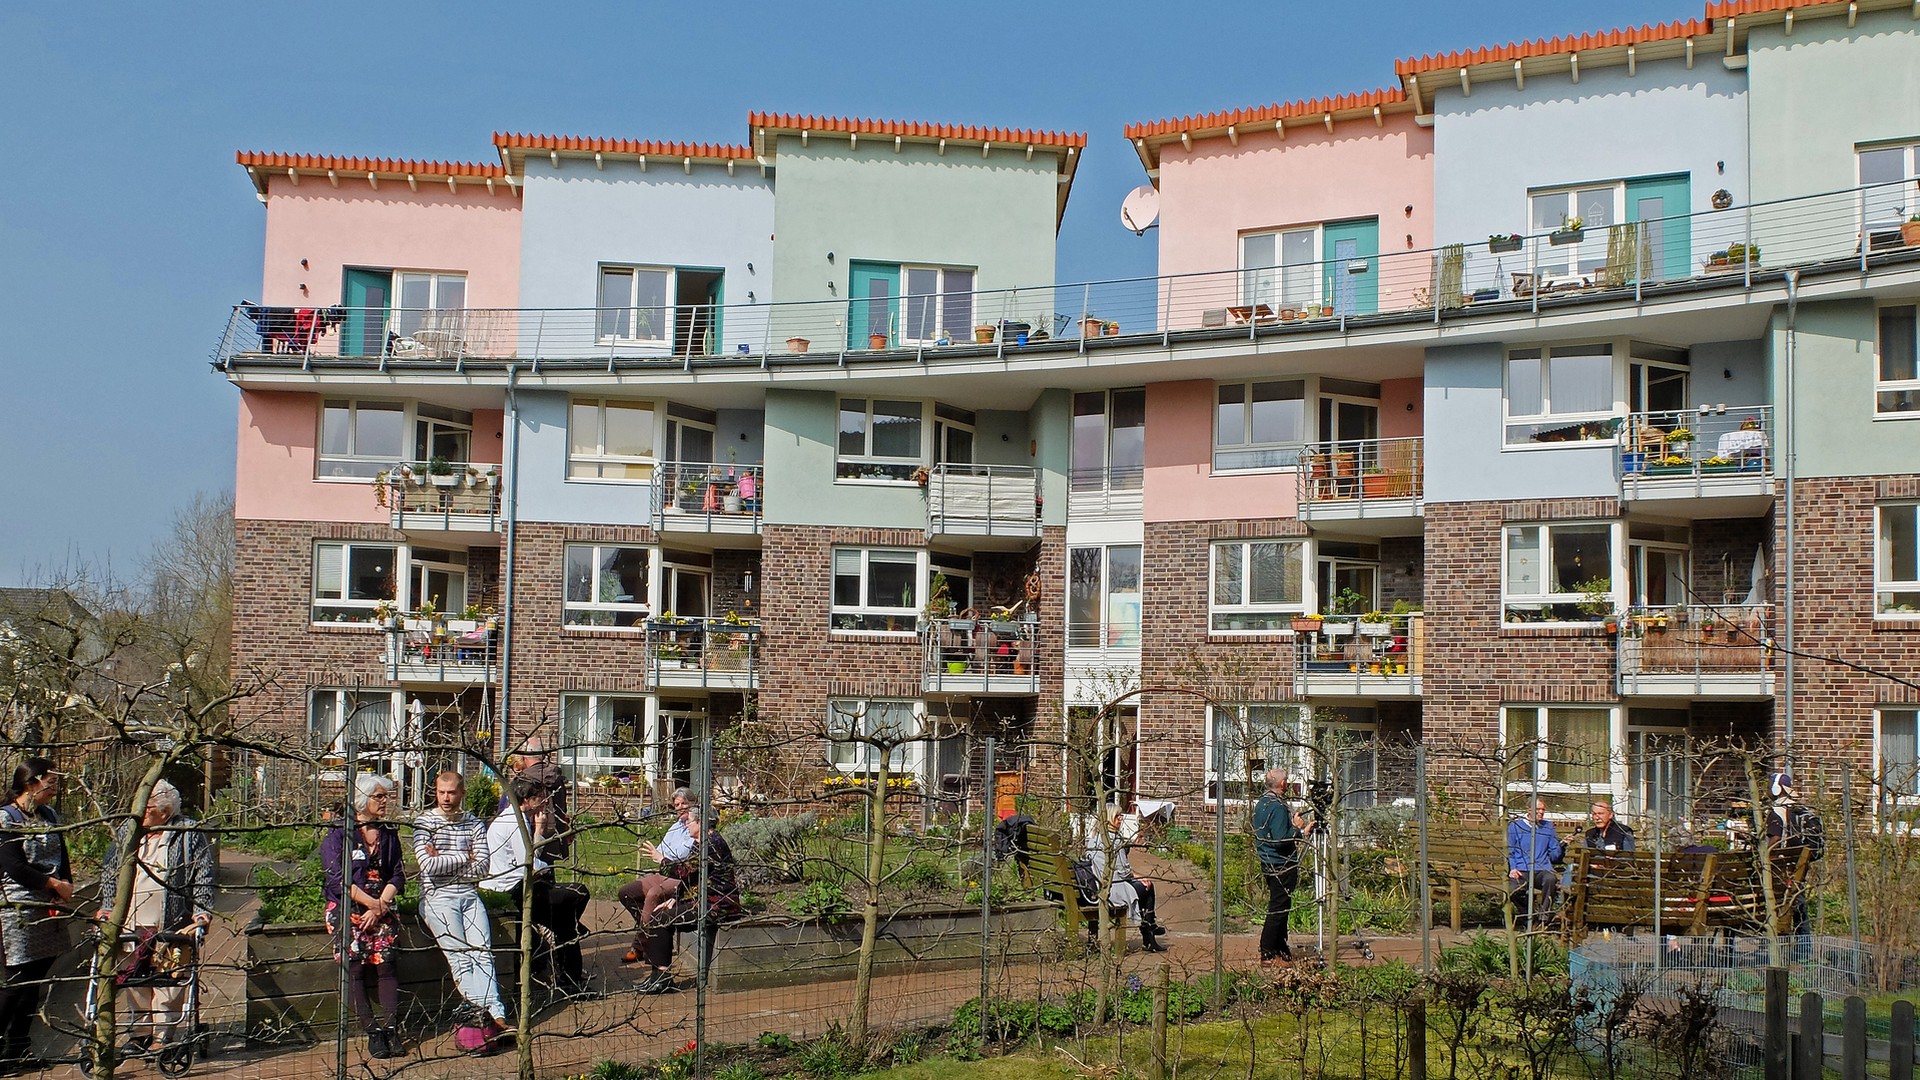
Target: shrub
column 483, row 797
column 769, row 849
column 921, row 875
column 740, row 1070
column 830, row 1057
column 817, row 899
column 290, row 896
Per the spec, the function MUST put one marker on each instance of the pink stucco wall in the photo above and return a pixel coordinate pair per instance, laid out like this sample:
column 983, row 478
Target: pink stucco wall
column 1216, row 191
column 274, row 477
column 1179, row 483
column 1403, row 406
column 389, row 228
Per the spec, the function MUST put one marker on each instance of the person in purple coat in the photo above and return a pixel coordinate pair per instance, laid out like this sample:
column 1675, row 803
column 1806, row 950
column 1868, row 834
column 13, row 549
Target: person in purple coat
column 371, row 847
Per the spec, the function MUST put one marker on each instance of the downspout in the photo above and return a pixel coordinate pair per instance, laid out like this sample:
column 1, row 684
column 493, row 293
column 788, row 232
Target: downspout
column 1787, row 474
column 511, row 518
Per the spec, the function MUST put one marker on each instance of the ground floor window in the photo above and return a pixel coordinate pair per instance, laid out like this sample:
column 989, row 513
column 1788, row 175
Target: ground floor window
column 1562, row 753
column 889, row 724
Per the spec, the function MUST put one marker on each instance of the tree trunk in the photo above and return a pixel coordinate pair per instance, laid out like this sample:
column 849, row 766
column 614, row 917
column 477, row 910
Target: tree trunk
column 870, row 911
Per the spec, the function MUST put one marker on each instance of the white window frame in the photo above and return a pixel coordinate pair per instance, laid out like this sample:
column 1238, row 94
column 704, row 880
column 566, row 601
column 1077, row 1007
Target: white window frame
column 1535, row 778
column 1245, row 608
column 854, row 757
column 1087, row 478
column 905, row 616
column 1900, row 198
column 1289, row 720
column 1634, row 758
column 593, row 465
column 634, row 312
column 1230, row 447
column 1590, row 254
column 427, row 561
column 438, row 314
column 355, row 466
column 1269, row 284
column 1510, row 597
column 896, row 469
column 1907, row 791
column 1908, row 390
column 1891, row 593
column 593, row 749
column 1595, row 425
column 400, row 571
column 1110, row 633
column 344, row 703
column 942, row 299
column 638, row 608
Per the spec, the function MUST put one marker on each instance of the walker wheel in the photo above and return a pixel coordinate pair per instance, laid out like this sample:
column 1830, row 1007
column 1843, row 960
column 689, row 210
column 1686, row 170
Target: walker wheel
column 175, row 1060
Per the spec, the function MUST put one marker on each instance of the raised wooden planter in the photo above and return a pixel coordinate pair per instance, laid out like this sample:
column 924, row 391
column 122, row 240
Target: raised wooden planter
column 770, row 951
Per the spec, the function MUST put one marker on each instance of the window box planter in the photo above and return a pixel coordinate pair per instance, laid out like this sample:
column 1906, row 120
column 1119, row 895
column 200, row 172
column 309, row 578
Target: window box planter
column 1563, row 237
column 1336, row 629
column 1306, row 626
column 1004, row 628
column 1375, row 629
column 444, row 480
column 1503, row 245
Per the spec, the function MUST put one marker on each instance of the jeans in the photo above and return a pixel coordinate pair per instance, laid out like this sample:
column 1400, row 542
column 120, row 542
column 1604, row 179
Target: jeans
column 459, row 923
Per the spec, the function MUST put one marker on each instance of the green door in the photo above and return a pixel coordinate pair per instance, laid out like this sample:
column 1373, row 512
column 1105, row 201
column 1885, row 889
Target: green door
column 716, row 304
column 1351, row 275
column 1661, row 202
column 368, row 295
column 874, row 301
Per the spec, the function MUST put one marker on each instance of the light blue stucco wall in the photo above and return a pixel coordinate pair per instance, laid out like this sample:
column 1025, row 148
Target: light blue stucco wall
column 1835, row 365
column 1495, row 144
column 875, row 204
column 1465, row 456
column 545, row 493
column 576, row 217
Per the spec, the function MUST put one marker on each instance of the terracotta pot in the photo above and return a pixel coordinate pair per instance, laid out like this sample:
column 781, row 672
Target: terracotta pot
column 983, row 335
column 797, row 344
column 1910, row 233
column 1089, row 327
column 876, row 341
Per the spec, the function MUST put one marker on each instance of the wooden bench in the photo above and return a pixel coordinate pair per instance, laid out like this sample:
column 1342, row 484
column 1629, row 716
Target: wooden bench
column 1699, row 891
column 1048, row 863
column 1467, row 863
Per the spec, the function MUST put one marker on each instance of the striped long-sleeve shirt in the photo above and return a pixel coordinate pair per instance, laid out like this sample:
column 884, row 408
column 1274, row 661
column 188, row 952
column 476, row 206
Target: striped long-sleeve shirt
column 459, row 855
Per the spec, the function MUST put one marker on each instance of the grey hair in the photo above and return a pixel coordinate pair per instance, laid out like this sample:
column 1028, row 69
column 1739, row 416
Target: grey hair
column 165, row 794
column 683, row 793
column 1276, row 779
column 366, row 786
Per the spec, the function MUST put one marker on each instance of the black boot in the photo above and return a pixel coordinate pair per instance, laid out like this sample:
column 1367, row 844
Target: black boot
column 377, row 1045
column 1149, row 937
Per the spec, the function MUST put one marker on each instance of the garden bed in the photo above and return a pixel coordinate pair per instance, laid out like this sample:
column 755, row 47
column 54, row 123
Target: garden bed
column 763, row 951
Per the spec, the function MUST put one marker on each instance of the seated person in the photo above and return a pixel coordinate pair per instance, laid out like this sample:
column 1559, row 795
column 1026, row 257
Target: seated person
column 1534, row 850
column 675, row 912
column 643, row 896
column 522, row 844
column 1127, row 891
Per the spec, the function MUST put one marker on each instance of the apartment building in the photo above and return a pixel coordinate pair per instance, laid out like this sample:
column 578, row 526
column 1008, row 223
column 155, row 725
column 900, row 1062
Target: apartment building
column 1587, row 363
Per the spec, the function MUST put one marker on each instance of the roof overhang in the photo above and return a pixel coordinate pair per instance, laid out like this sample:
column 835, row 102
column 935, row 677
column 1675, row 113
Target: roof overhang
column 1374, row 106
column 263, row 167
column 516, row 148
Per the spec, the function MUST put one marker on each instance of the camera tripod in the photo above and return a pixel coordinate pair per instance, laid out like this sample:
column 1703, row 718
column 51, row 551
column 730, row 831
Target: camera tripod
column 1320, row 842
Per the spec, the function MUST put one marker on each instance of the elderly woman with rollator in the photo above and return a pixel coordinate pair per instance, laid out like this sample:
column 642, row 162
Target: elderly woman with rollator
column 172, row 893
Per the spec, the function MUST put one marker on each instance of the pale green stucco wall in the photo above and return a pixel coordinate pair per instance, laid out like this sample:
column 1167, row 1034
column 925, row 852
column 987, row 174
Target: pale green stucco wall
column 1834, row 369
column 871, row 203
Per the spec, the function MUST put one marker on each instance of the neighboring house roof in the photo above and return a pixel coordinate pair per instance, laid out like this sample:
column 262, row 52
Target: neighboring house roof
column 261, row 166
column 1149, row 136
column 514, row 148
column 25, row 604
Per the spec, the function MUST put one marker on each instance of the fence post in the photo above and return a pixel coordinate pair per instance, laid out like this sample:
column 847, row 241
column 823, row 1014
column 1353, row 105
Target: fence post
column 343, row 928
column 1774, row 1035
column 701, row 932
column 1810, row 1041
column 1417, row 1039
column 986, row 885
column 1426, row 888
column 1219, row 866
column 1900, row 1042
column 1853, row 872
column 1853, row 1038
column 1157, row 1069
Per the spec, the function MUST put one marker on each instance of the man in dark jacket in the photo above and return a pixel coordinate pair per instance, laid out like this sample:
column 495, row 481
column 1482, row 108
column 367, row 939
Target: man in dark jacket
column 1607, row 833
column 1278, row 841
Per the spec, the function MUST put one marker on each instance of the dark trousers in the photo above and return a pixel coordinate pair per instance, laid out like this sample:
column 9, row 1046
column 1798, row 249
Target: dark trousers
column 558, row 907
column 386, row 985
column 19, row 1001
column 1281, row 881
column 1545, row 883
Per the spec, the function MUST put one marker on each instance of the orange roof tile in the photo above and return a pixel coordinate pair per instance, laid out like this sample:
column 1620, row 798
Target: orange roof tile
column 390, row 166
column 1560, row 46
column 1314, row 107
column 1733, row 8
column 915, row 129
column 636, row 147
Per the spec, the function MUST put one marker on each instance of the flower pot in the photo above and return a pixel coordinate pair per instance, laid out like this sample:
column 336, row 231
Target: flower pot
column 1612, row 626
column 797, row 344
column 1910, row 233
column 1019, row 667
column 1112, row 330
column 876, row 341
column 1089, row 327
column 1336, row 629
column 1374, row 668
column 1306, row 626
column 1375, row 629
column 1563, row 237
column 731, row 503
column 1288, row 314
column 1501, row 247
column 956, row 667
column 444, row 480
column 983, row 335
column 1376, row 485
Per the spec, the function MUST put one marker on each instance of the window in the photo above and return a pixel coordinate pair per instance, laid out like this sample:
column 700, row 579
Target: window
column 604, row 730
column 1657, row 562
column 891, row 722
column 938, row 301
column 439, row 577
column 368, row 715
column 1259, row 425
column 606, row 585
column 1109, row 440
column 958, row 571
column 876, row 589
column 610, row 440
column 953, row 433
column 1103, row 597
column 351, row 579
column 1659, row 766
column 1105, row 766
column 1346, row 577
column 1281, row 269
column 1900, row 752
column 1562, row 394
column 1564, row 753
column 1898, row 387
column 881, row 440
column 690, row 434
column 1598, row 207
column 428, row 302
column 633, row 304
column 358, row 439
column 1886, row 174
column 1896, row 560
column 1243, row 744
column 441, row 432
column 1257, row 585
column 1549, row 570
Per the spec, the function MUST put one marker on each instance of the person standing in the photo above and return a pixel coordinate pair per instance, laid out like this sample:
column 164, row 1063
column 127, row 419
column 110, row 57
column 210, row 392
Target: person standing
column 518, row 845
column 641, row 897
column 1792, row 828
column 1277, row 840
column 1608, row 832
column 1534, row 852
column 173, row 887
column 450, row 847
column 1134, row 894
column 36, row 882
column 367, row 852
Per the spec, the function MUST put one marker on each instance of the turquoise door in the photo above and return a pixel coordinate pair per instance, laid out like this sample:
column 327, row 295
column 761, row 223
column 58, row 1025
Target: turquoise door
column 368, row 294
column 716, row 303
column 874, row 301
column 1351, row 279
column 1661, row 202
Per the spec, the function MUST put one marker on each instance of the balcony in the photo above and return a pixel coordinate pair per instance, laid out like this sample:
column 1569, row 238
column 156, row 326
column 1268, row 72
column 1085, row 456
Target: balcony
column 1105, row 494
column 1696, row 651
column 984, row 503
column 704, row 654
column 464, row 499
column 979, row 657
column 1345, row 658
column 1364, row 480
column 1716, row 460
column 443, row 652
column 708, row 497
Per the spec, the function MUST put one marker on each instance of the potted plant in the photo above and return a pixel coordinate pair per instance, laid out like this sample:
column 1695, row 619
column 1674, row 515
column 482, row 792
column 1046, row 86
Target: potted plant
column 440, row 472
column 1571, row 230
column 1090, row 327
column 1596, row 598
column 877, row 341
column 983, row 334
column 1679, row 437
column 1375, row 624
column 690, row 496
column 1910, row 231
column 797, row 344
column 1500, row 245
column 1376, row 484
column 1722, row 199
column 939, row 597
column 1110, row 328
column 1307, row 624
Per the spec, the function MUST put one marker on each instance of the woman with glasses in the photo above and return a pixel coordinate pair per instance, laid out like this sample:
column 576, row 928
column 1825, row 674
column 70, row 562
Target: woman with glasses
column 364, row 857
column 36, row 884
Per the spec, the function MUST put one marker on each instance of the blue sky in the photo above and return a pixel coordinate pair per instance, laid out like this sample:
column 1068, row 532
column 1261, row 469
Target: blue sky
column 129, row 232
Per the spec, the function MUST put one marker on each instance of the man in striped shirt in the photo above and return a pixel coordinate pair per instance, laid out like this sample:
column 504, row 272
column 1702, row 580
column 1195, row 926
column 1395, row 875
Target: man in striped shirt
column 450, row 845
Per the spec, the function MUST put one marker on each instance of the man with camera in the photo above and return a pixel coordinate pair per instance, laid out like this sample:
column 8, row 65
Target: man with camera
column 1278, row 838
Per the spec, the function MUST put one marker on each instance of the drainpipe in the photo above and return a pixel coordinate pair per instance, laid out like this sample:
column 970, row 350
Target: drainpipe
column 1787, row 475
column 511, row 518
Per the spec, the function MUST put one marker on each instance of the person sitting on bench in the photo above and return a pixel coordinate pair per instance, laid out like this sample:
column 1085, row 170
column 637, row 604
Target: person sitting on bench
column 683, row 911
column 1128, row 891
column 1534, row 852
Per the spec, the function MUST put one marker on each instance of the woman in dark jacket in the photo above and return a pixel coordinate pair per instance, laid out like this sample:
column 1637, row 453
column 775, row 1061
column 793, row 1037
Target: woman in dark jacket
column 36, row 884
column 372, row 847
column 723, row 899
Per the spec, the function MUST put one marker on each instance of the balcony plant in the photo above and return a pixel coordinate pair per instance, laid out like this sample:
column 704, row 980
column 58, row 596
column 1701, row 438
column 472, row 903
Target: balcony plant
column 1596, row 598
column 1110, row 329
column 1308, row 623
column 1500, row 245
column 440, row 472
column 1571, row 230
column 1375, row 624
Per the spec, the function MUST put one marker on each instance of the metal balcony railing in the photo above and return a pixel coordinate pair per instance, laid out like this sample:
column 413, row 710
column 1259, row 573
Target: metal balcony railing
column 979, row 656
column 465, row 497
column 1348, row 655
column 983, row 500
column 697, row 652
column 702, row 496
column 1697, row 641
column 1855, row 228
column 443, row 651
column 1688, row 444
column 1360, row 471
column 1114, row 492
column 1120, row 637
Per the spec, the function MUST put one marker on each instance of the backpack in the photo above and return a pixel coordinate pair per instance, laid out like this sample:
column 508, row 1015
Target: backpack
column 1086, row 880
column 1805, row 829
column 1010, row 836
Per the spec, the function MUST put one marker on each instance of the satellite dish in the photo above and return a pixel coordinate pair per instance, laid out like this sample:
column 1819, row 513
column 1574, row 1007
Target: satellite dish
column 1140, row 209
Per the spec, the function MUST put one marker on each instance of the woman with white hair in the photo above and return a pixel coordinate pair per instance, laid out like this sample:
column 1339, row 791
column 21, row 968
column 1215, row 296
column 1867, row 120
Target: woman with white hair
column 367, row 851
column 171, row 889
